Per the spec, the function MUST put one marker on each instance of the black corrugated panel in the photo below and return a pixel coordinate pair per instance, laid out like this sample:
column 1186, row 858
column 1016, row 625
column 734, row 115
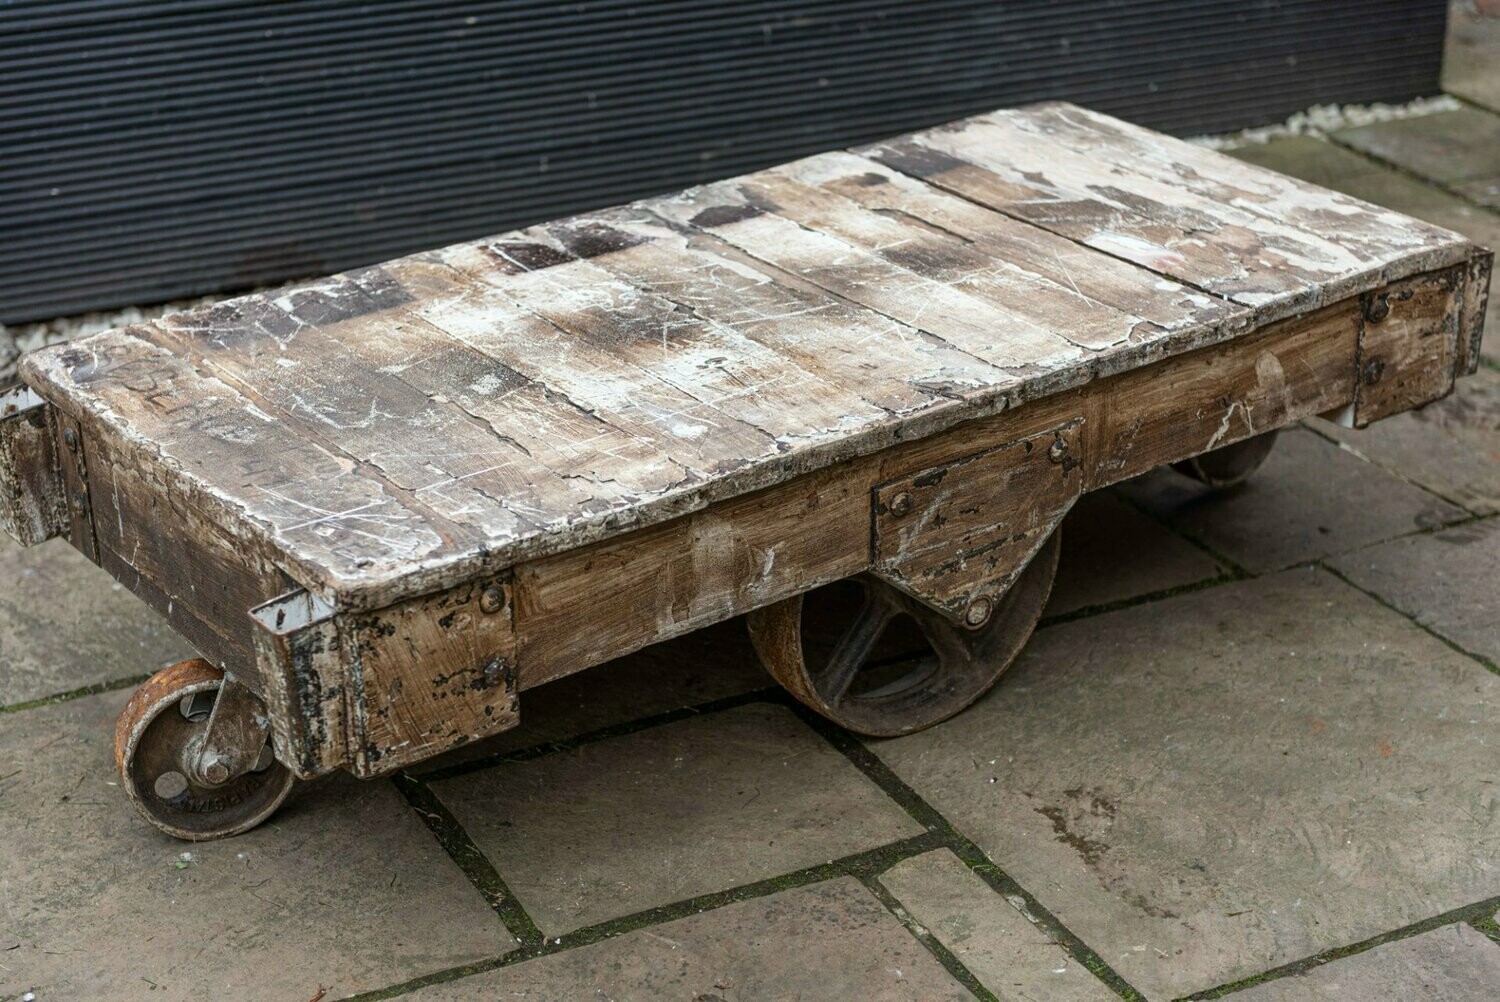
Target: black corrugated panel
column 159, row 150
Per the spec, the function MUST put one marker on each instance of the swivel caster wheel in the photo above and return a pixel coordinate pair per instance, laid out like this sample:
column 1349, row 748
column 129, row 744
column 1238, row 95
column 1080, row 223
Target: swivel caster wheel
column 890, row 664
column 178, row 779
column 1230, row 465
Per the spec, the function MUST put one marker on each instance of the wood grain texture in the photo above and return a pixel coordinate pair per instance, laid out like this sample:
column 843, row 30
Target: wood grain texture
column 1409, row 344
column 33, row 506
column 1476, row 296
column 953, row 534
column 1255, row 237
column 401, row 430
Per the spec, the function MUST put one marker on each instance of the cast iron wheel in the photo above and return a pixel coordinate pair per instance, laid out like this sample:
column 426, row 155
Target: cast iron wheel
column 935, row 670
column 156, row 744
column 1230, row 465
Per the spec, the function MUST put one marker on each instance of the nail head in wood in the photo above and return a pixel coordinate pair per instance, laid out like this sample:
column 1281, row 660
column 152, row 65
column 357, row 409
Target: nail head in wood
column 901, row 504
column 70, row 439
column 1378, row 308
column 492, row 600
column 1058, row 450
column 1374, row 368
column 978, row 612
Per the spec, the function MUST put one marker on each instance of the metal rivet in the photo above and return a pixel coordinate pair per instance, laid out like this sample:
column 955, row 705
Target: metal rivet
column 1378, row 308
column 70, row 439
column 494, row 671
column 978, row 611
column 492, row 600
column 1058, row 450
column 1373, row 370
column 901, row 504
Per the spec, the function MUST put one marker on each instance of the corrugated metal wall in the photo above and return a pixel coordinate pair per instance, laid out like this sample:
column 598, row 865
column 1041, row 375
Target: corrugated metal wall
column 157, row 150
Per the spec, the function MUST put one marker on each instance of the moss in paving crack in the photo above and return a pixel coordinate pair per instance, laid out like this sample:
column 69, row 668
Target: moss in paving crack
column 1488, row 926
column 1474, row 914
column 925, row 814
column 1126, row 603
column 1471, row 655
column 603, row 733
column 934, row 946
column 462, row 850
column 860, row 864
column 79, row 693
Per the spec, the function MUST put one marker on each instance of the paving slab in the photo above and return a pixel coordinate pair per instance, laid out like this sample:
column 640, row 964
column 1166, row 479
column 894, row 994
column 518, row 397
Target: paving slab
column 826, row 941
column 1451, row 447
column 1111, row 552
column 344, row 889
column 1459, row 149
column 1311, row 499
column 1469, row 57
column 1222, row 782
column 1451, row 964
column 1331, row 166
column 1010, row 956
column 66, row 624
column 705, row 665
column 646, row 819
column 1448, row 581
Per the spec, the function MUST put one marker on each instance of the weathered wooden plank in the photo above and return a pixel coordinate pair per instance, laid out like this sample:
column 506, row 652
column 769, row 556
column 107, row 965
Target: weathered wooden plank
column 730, row 375
column 142, row 522
column 898, row 368
column 33, row 504
column 569, row 440
column 297, row 356
column 75, row 483
column 482, row 314
column 998, row 336
column 1265, row 241
column 1064, row 308
column 1165, row 309
column 696, row 570
column 230, row 460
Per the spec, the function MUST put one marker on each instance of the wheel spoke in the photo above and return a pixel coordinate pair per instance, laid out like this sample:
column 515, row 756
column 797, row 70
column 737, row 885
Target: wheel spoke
column 854, row 647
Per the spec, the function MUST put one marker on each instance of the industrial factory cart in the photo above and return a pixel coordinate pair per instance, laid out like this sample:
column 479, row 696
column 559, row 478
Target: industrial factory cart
column 383, row 504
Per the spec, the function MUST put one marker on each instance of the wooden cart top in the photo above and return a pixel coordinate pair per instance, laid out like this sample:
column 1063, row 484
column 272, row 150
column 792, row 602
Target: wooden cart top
column 404, row 427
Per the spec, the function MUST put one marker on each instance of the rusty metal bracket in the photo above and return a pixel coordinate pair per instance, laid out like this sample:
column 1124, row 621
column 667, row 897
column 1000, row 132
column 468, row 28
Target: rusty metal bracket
column 955, row 536
column 374, row 691
column 301, row 675
column 33, row 502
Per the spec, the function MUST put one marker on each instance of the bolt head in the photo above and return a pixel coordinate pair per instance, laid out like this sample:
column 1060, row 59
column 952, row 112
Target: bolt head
column 1378, row 309
column 1058, row 450
column 492, row 600
column 978, row 612
column 1374, row 368
column 215, row 771
column 901, row 504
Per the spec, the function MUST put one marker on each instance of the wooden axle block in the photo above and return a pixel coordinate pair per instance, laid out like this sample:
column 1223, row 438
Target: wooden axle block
column 956, row 535
column 374, row 691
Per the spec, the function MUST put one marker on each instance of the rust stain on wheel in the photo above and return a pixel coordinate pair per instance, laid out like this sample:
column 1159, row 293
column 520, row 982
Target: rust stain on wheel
column 156, row 740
